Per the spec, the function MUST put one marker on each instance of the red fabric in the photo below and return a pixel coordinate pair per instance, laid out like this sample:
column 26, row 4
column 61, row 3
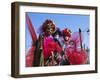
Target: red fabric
column 30, row 57
column 76, row 57
column 50, row 46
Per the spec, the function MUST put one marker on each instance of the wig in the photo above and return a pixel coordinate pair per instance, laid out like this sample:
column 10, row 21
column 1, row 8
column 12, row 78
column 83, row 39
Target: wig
column 48, row 26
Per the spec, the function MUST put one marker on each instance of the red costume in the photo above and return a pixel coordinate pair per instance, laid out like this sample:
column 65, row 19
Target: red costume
column 30, row 57
column 74, row 54
column 50, row 46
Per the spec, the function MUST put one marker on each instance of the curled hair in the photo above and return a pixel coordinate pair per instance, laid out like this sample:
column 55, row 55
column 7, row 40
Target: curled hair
column 45, row 25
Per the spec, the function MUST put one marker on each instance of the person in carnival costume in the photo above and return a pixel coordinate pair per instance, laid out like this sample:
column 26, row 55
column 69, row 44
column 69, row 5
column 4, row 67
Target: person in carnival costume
column 66, row 35
column 49, row 46
column 76, row 54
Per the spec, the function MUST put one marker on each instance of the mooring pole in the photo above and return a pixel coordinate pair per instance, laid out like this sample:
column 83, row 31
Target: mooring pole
column 80, row 39
column 84, row 46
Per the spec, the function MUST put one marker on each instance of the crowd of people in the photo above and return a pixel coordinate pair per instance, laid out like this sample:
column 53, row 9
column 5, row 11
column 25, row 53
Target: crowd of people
column 55, row 47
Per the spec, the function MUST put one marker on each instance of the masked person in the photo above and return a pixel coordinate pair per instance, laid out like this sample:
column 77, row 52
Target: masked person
column 66, row 35
column 62, row 38
column 46, row 45
column 74, row 53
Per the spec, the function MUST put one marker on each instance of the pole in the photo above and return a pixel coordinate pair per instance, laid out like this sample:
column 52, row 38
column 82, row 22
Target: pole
column 80, row 39
column 84, row 46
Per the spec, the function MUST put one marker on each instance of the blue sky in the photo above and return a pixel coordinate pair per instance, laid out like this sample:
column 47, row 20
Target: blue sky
column 71, row 21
